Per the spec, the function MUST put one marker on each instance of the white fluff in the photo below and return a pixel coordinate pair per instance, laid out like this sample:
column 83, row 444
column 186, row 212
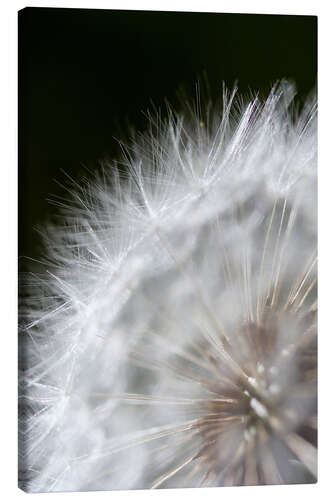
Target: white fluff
column 171, row 339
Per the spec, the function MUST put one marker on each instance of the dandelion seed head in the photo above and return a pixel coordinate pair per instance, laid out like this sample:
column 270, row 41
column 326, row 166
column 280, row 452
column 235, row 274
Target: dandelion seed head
column 172, row 340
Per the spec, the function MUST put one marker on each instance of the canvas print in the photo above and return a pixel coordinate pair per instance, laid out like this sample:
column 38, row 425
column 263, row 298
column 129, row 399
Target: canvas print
column 167, row 249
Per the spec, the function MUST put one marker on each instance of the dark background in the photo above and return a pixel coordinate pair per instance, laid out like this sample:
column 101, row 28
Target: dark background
column 86, row 75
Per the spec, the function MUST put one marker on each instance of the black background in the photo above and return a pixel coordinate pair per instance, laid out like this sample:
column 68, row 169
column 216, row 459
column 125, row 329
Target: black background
column 86, row 75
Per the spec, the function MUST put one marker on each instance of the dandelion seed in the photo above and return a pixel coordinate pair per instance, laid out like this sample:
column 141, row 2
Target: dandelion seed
column 172, row 339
